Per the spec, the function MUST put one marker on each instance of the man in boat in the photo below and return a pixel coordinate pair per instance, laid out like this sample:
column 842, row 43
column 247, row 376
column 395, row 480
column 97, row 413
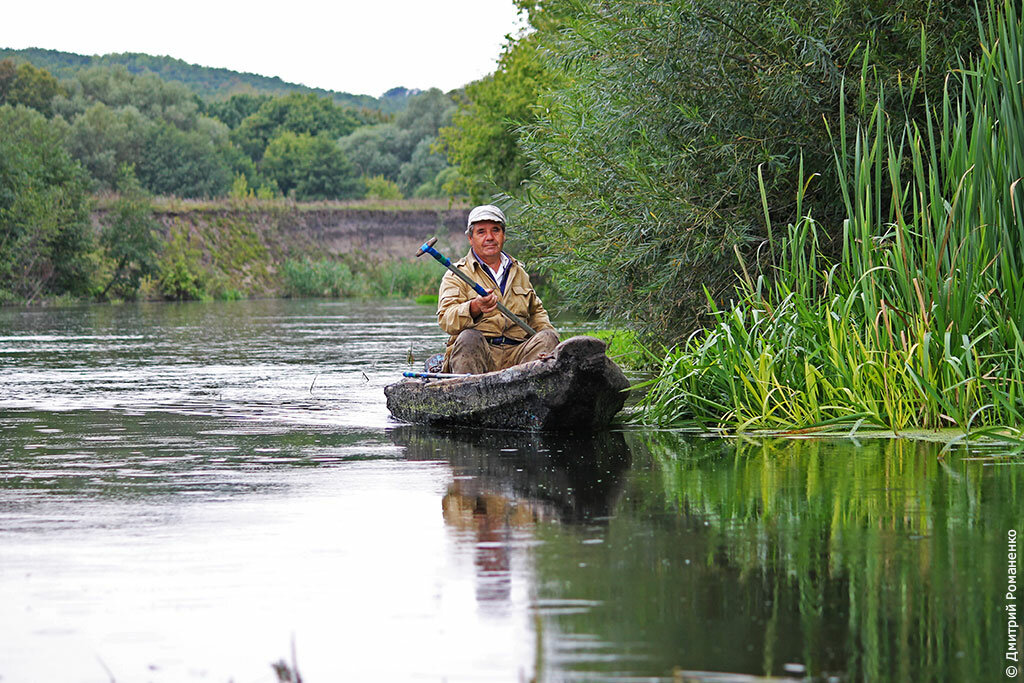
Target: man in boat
column 482, row 339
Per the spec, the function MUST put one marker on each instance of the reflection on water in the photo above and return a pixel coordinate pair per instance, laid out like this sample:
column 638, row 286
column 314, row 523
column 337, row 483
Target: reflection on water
column 184, row 490
column 504, row 484
column 874, row 561
column 564, row 478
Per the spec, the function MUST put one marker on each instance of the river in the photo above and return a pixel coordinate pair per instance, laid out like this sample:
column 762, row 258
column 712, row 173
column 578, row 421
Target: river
column 198, row 491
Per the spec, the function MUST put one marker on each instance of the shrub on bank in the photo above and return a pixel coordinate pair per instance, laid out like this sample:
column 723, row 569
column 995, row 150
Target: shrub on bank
column 643, row 158
column 918, row 323
column 180, row 274
column 406, row 279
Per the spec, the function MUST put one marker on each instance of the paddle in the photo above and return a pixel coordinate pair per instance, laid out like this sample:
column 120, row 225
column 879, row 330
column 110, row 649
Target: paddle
column 428, row 248
column 434, row 375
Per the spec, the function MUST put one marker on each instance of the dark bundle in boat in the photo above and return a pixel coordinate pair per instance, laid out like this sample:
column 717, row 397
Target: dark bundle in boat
column 577, row 388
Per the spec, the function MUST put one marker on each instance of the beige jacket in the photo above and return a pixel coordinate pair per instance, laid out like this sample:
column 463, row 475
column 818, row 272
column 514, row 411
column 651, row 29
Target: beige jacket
column 454, row 296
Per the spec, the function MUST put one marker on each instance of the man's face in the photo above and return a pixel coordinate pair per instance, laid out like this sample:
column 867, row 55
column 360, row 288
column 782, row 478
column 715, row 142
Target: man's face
column 487, row 239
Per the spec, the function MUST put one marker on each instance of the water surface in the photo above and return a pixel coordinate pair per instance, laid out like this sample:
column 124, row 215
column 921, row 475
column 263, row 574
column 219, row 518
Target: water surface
column 188, row 491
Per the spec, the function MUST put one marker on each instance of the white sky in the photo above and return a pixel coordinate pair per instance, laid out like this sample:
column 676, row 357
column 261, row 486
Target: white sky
column 355, row 46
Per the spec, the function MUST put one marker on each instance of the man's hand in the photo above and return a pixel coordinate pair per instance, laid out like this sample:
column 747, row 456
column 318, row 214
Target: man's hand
column 483, row 304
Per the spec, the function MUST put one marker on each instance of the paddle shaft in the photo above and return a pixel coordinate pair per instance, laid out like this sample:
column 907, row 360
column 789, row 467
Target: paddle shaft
column 428, row 248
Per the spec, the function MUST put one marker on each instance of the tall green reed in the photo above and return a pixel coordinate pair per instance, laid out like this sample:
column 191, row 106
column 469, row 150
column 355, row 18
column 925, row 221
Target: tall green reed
column 918, row 323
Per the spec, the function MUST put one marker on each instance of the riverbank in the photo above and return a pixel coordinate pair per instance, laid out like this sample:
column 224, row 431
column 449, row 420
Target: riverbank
column 253, row 248
column 378, row 228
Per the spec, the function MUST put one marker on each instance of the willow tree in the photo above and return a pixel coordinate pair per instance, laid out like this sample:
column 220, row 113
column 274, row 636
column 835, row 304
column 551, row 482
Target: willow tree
column 644, row 160
column 482, row 142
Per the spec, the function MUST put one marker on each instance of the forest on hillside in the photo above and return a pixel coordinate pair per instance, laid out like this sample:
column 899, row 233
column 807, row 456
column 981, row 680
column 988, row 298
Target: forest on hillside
column 182, row 144
column 209, row 83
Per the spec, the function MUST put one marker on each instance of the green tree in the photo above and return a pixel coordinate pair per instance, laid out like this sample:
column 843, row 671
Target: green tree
column 297, row 113
column 206, row 82
column 185, row 164
column 8, row 72
column 240, row 188
column 425, row 114
column 483, row 139
column 116, row 87
column 104, row 139
column 423, row 167
column 181, row 273
column 378, row 150
column 235, row 109
column 27, row 85
column 379, row 187
column 436, row 187
column 44, row 210
column 123, row 118
column 129, row 237
column 310, row 167
column 402, row 151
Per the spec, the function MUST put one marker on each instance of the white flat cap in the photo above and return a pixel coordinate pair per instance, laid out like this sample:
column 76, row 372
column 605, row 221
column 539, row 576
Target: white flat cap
column 487, row 212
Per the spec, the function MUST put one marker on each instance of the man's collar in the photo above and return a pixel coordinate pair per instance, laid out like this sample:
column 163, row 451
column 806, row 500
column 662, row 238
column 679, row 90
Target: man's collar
column 505, row 259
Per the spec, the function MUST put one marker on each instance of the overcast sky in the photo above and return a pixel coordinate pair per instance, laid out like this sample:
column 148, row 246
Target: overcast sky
column 361, row 47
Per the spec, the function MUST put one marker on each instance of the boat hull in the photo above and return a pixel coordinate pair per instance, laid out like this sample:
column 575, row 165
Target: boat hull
column 577, row 389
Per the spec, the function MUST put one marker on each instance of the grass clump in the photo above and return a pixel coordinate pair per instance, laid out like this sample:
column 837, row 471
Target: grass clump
column 918, row 323
column 320, row 278
column 357, row 278
column 403, row 279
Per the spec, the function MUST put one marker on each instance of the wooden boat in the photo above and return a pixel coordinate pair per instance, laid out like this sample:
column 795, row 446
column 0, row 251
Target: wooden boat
column 577, row 388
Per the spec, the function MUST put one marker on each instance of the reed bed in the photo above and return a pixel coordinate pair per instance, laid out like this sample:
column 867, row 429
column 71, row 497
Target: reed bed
column 918, row 322
column 357, row 277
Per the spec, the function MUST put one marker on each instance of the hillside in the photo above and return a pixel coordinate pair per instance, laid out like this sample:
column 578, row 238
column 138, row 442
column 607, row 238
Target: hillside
column 207, row 82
